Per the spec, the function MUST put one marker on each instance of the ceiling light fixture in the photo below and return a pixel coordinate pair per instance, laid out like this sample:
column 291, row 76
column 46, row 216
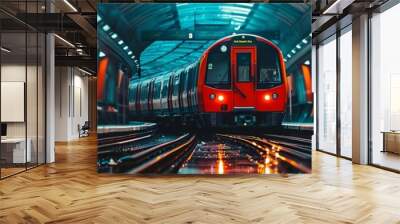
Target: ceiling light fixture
column 70, row 5
column 64, row 40
column 125, row 48
column 106, row 27
column 114, row 35
column 120, row 42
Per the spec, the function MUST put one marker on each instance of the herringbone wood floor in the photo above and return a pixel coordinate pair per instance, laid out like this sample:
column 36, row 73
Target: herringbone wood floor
column 70, row 191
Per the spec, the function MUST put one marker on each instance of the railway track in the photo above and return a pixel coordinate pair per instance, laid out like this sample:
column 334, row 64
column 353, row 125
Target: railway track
column 277, row 152
column 147, row 154
column 205, row 153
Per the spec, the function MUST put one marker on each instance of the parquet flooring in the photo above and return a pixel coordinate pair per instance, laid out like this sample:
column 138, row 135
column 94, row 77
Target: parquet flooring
column 71, row 191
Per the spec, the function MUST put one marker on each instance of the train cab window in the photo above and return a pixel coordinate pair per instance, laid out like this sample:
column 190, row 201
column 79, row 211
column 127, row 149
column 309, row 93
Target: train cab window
column 269, row 73
column 243, row 67
column 218, row 63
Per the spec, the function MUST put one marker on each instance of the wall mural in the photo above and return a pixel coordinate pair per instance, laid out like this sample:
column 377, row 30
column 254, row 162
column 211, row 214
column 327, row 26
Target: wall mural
column 204, row 88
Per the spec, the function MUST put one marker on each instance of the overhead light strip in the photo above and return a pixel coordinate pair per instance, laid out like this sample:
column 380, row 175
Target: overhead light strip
column 331, row 7
column 64, row 40
column 70, row 5
column 5, row 50
column 84, row 71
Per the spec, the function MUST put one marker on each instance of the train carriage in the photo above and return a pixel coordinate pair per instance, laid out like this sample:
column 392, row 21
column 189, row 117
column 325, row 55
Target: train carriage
column 239, row 80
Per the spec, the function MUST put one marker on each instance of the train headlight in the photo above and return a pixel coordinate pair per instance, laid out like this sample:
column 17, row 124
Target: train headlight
column 212, row 96
column 267, row 97
column 275, row 96
column 223, row 48
column 221, row 98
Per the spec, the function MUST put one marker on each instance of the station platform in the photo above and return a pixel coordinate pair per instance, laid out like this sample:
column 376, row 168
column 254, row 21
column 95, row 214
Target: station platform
column 132, row 127
column 297, row 126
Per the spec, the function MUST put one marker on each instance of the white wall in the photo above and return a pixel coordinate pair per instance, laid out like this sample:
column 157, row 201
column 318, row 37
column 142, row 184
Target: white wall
column 16, row 73
column 71, row 102
column 33, row 127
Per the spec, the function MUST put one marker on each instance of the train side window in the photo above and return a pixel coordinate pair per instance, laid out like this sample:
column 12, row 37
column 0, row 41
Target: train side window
column 157, row 90
column 182, row 81
column 243, row 67
column 269, row 73
column 185, row 80
column 138, row 90
column 144, row 94
column 176, row 85
column 164, row 91
column 217, row 74
column 132, row 93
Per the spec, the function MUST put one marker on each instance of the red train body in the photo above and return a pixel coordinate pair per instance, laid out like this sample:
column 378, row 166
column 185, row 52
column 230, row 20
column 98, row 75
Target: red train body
column 239, row 80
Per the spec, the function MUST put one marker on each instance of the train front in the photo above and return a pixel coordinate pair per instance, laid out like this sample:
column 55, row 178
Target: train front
column 242, row 81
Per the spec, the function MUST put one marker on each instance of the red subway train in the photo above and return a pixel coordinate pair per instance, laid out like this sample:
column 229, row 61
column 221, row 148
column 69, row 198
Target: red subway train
column 240, row 80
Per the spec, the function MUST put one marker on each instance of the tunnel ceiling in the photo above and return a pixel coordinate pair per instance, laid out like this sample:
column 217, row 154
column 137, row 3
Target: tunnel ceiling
column 165, row 36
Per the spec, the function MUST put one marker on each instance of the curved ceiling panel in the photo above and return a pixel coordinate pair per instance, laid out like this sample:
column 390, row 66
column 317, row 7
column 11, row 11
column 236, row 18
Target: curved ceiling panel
column 168, row 36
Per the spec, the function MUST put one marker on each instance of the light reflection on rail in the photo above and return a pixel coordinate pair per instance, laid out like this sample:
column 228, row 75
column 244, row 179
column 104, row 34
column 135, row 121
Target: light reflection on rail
column 226, row 158
column 274, row 151
column 220, row 161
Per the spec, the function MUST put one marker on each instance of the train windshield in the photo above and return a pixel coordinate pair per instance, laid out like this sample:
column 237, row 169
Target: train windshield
column 218, row 63
column 269, row 72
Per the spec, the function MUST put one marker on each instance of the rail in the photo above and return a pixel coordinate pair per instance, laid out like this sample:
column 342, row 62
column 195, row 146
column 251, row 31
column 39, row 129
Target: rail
column 272, row 149
column 143, row 160
column 101, row 148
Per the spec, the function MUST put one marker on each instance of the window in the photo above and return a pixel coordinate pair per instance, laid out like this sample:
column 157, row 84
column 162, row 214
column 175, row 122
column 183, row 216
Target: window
column 164, row 91
column 327, row 96
column 218, row 75
column 22, row 65
column 176, row 85
column 269, row 73
column 346, row 94
column 143, row 94
column 385, row 89
column 157, row 89
column 132, row 94
column 243, row 67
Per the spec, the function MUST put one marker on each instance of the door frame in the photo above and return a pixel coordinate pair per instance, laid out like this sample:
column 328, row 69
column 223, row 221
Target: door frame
column 235, row 50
